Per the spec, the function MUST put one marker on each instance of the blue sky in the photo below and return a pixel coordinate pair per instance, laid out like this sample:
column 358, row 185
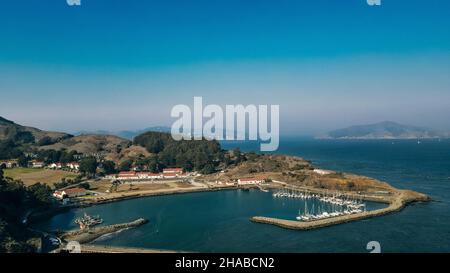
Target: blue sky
column 111, row 64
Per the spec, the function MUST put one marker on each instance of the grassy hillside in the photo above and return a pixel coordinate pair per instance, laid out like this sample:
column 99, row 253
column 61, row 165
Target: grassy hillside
column 9, row 129
column 110, row 147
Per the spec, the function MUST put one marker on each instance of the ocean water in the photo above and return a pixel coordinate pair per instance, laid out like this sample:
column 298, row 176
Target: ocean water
column 219, row 221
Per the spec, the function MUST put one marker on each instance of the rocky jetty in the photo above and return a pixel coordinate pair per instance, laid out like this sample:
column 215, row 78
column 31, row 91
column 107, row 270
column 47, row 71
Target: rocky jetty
column 88, row 235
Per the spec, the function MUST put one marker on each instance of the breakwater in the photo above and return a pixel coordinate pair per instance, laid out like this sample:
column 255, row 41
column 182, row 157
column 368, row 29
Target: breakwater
column 88, row 235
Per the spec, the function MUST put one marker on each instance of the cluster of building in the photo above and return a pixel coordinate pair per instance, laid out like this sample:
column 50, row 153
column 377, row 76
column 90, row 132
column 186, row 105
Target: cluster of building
column 168, row 173
column 71, row 165
column 12, row 163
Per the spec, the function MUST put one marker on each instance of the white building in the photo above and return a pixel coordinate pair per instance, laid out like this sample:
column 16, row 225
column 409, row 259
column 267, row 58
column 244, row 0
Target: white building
column 57, row 165
column 111, row 176
column 250, row 181
column 127, row 176
column 73, row 192
column 322, row 172
column 74, row 165
column 149, row 175
column 175, row 171
column 37, row 164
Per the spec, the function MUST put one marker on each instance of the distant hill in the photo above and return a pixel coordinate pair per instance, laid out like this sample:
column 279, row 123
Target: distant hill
column 8, row 129
column 128, row 134
column 15, row 139
column 384, row 130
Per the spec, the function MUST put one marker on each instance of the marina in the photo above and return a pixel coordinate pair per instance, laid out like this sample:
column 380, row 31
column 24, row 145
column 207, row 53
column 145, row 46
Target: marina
column 313, row 221
column 201, row 221
column 326, row 205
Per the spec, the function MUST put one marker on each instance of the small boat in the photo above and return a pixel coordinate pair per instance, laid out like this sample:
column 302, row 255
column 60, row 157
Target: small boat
column 87, row 221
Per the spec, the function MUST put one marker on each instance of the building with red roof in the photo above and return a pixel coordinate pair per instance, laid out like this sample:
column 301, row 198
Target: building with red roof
column 72, row 192
column 250, row 181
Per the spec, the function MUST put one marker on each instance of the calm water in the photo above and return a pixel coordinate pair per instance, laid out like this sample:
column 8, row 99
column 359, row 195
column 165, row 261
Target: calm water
column 219, row 221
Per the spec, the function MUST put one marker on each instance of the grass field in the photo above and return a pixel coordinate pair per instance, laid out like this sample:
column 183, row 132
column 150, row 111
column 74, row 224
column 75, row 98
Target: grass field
column 31, row 176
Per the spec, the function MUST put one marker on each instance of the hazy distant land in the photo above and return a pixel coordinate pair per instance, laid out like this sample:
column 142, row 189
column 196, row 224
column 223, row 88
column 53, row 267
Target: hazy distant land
column 384, row 130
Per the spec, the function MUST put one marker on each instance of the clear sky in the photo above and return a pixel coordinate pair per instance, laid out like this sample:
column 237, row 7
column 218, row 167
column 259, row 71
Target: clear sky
column 123, row 64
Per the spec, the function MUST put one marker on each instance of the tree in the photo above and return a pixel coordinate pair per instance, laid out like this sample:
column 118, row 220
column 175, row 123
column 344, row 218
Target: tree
column 40, row 194
column 62, row 184
column 67, row 157
column 22, row 161
column 45, row 141
column 227, row 160
column 109, row 167
column 85, row 186
column 126, row 165
column 2, row 181
column 114, row 185
column 9, row 149
column 208, row 169
column 23, row 137
column 89, row 165
column 238, row 156
column 153, row 164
